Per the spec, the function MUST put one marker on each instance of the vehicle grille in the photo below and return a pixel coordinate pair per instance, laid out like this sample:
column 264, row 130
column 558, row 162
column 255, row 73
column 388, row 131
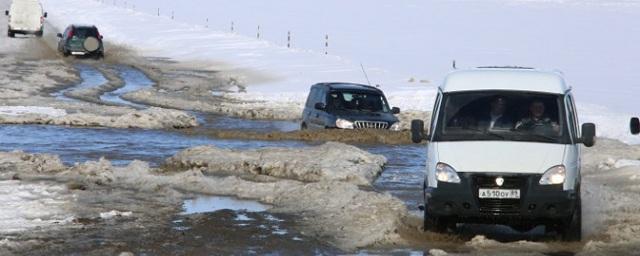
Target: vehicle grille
column 370, row 125
column 500, row 206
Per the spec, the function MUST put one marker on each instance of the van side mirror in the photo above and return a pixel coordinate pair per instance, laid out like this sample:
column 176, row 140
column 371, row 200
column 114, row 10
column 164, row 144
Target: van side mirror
column 417, row 131
column 59, row 35
column 319, row 106
column 588, row 134
column 635, row 126
column 45, row 14
column 395, row 110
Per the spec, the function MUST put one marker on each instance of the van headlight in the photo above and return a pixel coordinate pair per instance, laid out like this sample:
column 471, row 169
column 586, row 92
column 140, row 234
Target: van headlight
column 446, row 173
column 555, row 175
column 344, row 124
column 395, row 127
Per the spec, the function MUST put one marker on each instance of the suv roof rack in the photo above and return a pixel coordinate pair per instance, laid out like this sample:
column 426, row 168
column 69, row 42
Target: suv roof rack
column 506, row 67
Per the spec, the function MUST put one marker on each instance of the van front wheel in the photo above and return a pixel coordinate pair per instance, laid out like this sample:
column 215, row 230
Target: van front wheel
column 11, row 34
column 435, row 224
column 572, row 229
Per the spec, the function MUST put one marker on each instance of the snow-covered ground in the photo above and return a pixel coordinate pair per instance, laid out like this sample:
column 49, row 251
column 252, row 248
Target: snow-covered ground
column 406, row 47
column 26, row 206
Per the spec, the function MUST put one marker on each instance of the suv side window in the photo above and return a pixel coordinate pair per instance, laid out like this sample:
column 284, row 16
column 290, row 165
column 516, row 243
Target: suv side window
column 311, row 97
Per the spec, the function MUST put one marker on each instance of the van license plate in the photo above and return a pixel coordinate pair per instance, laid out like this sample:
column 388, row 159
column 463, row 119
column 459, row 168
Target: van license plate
column 499, row 193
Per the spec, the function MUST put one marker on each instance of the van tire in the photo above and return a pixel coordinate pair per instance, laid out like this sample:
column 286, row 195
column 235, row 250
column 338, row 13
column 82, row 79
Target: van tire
column 39, row 33
column 434, row 224
column 303, row 126
column 65, row 53
column 571, row 231
column 11, row 34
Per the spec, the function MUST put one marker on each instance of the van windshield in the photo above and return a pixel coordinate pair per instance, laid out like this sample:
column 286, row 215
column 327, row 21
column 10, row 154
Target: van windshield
column 357, row 101
column 502, row 115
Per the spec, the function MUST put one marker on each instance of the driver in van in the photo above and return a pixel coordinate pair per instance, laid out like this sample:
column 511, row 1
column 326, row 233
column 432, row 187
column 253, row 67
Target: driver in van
column 537, row 121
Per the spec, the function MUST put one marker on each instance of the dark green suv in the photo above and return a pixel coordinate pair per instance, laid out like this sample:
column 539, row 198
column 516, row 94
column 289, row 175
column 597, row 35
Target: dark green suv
column 81, row 40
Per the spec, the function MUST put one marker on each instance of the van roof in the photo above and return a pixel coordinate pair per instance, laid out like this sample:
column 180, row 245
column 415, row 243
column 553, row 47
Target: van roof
column 505, row 78
column 349, row 86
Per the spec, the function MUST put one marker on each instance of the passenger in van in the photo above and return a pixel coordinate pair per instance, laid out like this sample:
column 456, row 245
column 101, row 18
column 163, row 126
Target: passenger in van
column 537, row 121
column 496, row 118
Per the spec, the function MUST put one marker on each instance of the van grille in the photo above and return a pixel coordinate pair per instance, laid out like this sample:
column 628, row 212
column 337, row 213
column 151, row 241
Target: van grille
column 370, row 125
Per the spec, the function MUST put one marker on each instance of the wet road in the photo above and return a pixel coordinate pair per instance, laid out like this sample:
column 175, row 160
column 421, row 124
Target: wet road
column 402, row 176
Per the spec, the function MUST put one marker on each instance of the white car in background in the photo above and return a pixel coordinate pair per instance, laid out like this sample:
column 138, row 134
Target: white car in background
column 504, row 148
column 25, row 17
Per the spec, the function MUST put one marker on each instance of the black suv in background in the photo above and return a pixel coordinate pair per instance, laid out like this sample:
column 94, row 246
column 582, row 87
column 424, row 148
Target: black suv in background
column 348, row 106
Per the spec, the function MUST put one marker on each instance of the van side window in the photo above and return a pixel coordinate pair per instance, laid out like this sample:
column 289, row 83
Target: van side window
column 433, row 113
column 571, row 113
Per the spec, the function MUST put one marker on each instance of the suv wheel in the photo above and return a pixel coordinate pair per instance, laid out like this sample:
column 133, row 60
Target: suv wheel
column 65, row 53
column 303, row 126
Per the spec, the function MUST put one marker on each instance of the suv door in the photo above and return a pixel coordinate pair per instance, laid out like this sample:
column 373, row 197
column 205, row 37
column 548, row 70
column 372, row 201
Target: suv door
column 317, row 116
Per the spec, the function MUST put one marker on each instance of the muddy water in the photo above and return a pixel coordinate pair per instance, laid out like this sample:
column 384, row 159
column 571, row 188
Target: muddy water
column 91, row 77
column 134, row 80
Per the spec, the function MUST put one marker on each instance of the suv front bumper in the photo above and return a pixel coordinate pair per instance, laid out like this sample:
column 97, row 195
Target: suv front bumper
column 537, row 203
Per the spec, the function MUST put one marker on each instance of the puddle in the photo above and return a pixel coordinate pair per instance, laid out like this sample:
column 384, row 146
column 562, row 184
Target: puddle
column 205, row 204
column 134, row 80
column 120, row 146
column 210, row 121
column 91, row 77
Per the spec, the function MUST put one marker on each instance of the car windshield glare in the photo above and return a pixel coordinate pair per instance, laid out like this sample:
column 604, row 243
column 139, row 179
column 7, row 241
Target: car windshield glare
column 502, row 115
column 357, row 101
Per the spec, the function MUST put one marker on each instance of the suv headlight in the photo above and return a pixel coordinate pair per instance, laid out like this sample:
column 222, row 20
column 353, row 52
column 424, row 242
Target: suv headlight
column 344, row 124
column 555, row 175
column 395, row 127
column 446, row 173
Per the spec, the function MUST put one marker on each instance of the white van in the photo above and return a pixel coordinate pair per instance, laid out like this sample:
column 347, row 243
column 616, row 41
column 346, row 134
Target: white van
column 504, row 148
column 26, row 17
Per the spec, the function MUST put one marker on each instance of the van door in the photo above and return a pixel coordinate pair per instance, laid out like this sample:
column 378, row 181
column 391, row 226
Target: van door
column 573, row 157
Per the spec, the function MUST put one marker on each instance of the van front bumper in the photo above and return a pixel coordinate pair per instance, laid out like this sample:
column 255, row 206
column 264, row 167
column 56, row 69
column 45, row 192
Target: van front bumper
column 537, row 203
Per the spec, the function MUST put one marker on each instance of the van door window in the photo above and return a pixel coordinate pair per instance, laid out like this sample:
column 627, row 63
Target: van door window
column 571, row 114
column 434, row 112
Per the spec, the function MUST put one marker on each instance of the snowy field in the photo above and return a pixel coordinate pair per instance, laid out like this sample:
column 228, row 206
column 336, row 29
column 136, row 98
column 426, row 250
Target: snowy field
column 405, row 47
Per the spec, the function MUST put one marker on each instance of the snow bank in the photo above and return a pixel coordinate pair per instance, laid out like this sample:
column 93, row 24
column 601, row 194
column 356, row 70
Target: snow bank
column 328, row 162
column 340, row 212
column 31, row 205
column 24, row 110
column 151, row 118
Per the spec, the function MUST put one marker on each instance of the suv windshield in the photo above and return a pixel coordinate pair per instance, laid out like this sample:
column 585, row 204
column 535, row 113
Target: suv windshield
column 502, row 115
column 357, row 101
